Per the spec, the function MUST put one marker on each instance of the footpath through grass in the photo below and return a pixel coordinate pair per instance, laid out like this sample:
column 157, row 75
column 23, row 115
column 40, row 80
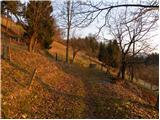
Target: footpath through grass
column 107, row 100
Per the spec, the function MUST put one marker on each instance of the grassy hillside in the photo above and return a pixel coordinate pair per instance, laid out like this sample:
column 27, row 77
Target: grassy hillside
column 81, row 57
column 58, row 47
column 12, row 25
column 46, row 94
column 59, row 90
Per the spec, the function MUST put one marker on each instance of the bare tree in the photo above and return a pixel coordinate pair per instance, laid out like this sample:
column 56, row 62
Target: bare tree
column 69, row 16
column 129, row 28
column 99, row 11
column 130, row 33
column 77, row 45
column 67, row 19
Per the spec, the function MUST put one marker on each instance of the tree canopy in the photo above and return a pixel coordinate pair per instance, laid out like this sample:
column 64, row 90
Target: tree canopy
column 39, row 27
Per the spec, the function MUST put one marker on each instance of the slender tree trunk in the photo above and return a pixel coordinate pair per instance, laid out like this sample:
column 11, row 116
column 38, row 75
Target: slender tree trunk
column 132, row 66
column 74, row 54
column 68, row 30
column 5, row 49
column 67, row 48
column 35, row 46
column 119, row 71
column 31, row 42
column 123, row 70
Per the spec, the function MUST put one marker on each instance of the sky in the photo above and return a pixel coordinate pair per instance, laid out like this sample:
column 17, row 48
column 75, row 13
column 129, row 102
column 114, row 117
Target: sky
column 92, row 28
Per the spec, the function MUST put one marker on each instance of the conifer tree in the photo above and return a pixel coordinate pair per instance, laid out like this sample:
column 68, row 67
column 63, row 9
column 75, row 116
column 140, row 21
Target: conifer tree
column 109, row 54
column 39, row 27
column 102, row 52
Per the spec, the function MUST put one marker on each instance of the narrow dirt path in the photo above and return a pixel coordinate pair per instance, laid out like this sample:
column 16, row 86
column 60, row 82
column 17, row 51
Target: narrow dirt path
column 106, row 100
column 89, row 77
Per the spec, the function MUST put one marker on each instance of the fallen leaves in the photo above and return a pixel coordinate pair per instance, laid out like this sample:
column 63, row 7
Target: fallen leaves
column 68, row 92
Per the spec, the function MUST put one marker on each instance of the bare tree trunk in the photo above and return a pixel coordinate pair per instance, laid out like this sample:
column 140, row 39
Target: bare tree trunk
column 5, row 49
column 132, row 66
column 68, row 29
column 123, row 69
column 119, row 71
column 67, row 50
column 35, row 46
column 74, row 54
column 31, row 43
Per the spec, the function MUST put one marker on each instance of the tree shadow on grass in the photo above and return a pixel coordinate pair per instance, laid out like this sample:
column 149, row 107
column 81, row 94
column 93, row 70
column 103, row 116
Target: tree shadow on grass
column 51, row 89
column 94, row 102
column 91, row 101
column 89, row 77
column 41, row 82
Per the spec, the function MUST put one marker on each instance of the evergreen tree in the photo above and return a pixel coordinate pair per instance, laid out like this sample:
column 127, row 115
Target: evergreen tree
column 152, row 59
column 116, row 54
column 110, row 54
column 91, row 45
column 39, row 27
column 102, row 52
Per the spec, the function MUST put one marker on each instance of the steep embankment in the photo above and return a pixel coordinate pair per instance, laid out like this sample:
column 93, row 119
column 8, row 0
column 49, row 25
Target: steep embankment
column 67, row 91
column 51, row 95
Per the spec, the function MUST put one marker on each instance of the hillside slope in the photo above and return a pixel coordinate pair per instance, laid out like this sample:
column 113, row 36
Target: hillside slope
column 67, row 91
column 60, row 49
column 81, row 57
column 9, row 24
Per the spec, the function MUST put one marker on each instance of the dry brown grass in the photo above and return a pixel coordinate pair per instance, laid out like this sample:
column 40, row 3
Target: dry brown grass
column 66, row 91
column 60, row 49
column 148, row 73
column 47, row 98
column 12, row 25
